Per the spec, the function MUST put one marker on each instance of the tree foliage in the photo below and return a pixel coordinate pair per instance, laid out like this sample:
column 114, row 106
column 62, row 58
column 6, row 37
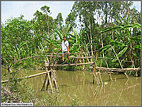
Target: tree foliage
column 90, row 26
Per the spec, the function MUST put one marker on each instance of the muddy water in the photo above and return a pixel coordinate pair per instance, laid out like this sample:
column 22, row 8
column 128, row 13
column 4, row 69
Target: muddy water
column 76, row 88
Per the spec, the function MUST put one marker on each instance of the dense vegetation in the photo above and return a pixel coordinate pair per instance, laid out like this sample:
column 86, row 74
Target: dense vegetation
column 111, row 28
column 90, row 26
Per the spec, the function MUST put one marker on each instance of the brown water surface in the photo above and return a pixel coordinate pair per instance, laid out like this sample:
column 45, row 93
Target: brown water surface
column 76, row 88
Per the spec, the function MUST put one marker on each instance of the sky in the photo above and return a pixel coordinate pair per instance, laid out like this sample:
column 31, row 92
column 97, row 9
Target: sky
column 11, row 9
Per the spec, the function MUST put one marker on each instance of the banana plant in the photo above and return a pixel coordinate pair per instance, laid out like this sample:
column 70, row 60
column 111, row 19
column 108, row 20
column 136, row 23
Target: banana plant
column 122, row 47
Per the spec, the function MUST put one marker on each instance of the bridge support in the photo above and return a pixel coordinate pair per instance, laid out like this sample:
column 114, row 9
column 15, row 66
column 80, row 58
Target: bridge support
column 96, row 75
column 51, row 77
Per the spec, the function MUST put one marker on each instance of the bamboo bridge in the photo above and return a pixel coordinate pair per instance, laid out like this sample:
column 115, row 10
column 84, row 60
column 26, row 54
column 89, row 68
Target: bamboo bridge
column 50, row 77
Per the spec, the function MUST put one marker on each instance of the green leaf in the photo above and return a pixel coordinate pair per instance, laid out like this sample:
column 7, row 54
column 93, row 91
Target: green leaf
column 105, row 48
column 116, row 43
column 59, row 34
column 120, row 53
column 109, row 38
column 137, row 46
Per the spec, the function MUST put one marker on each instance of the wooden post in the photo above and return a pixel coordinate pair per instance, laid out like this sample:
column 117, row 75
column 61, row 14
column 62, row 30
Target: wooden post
column 100, row 78
column 100, row 73
column 44, row 82
column 46, row 63
column 83, row 61
column 54, row 79
column 49, row 79
column 47, row 84
column 110, row 76
column 8, row 75
column 51, row 75
column 94, row 72
column 76, row 60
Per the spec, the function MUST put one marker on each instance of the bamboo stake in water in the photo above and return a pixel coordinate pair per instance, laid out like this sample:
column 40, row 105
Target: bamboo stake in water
column 94, row 72
column 120, row 63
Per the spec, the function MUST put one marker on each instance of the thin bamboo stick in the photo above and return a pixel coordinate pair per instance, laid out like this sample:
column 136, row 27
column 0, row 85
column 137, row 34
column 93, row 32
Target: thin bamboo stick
column 118, row 69
column 29, row 76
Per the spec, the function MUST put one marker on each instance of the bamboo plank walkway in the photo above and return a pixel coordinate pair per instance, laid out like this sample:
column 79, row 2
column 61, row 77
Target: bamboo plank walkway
column 75, row 64
column 75, row 57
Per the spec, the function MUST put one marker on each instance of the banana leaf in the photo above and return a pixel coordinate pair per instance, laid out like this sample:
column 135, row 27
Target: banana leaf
column 137, row 46
column 109, row 39
column 120, row 53
column 59, row 34
column 105, row 48
column 116, row 43
column 136, row 38
column 137, row 25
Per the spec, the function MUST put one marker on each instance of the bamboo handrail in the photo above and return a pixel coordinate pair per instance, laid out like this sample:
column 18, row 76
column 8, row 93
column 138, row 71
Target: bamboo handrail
column 61, row 56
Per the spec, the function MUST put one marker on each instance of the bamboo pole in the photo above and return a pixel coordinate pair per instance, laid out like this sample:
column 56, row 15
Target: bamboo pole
column 54, row 79
column 8, row 75
column 5, row 81
column 82, row 61
column 49, row 75
column 75, row 64
column 110, row 76
column 86, row 57
column 47, row 84
column 118, row 69
column 94, row 72
column 120, row 63
column 100, row 73
column 44, row 82
column 117, row 58
column 103, row 51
